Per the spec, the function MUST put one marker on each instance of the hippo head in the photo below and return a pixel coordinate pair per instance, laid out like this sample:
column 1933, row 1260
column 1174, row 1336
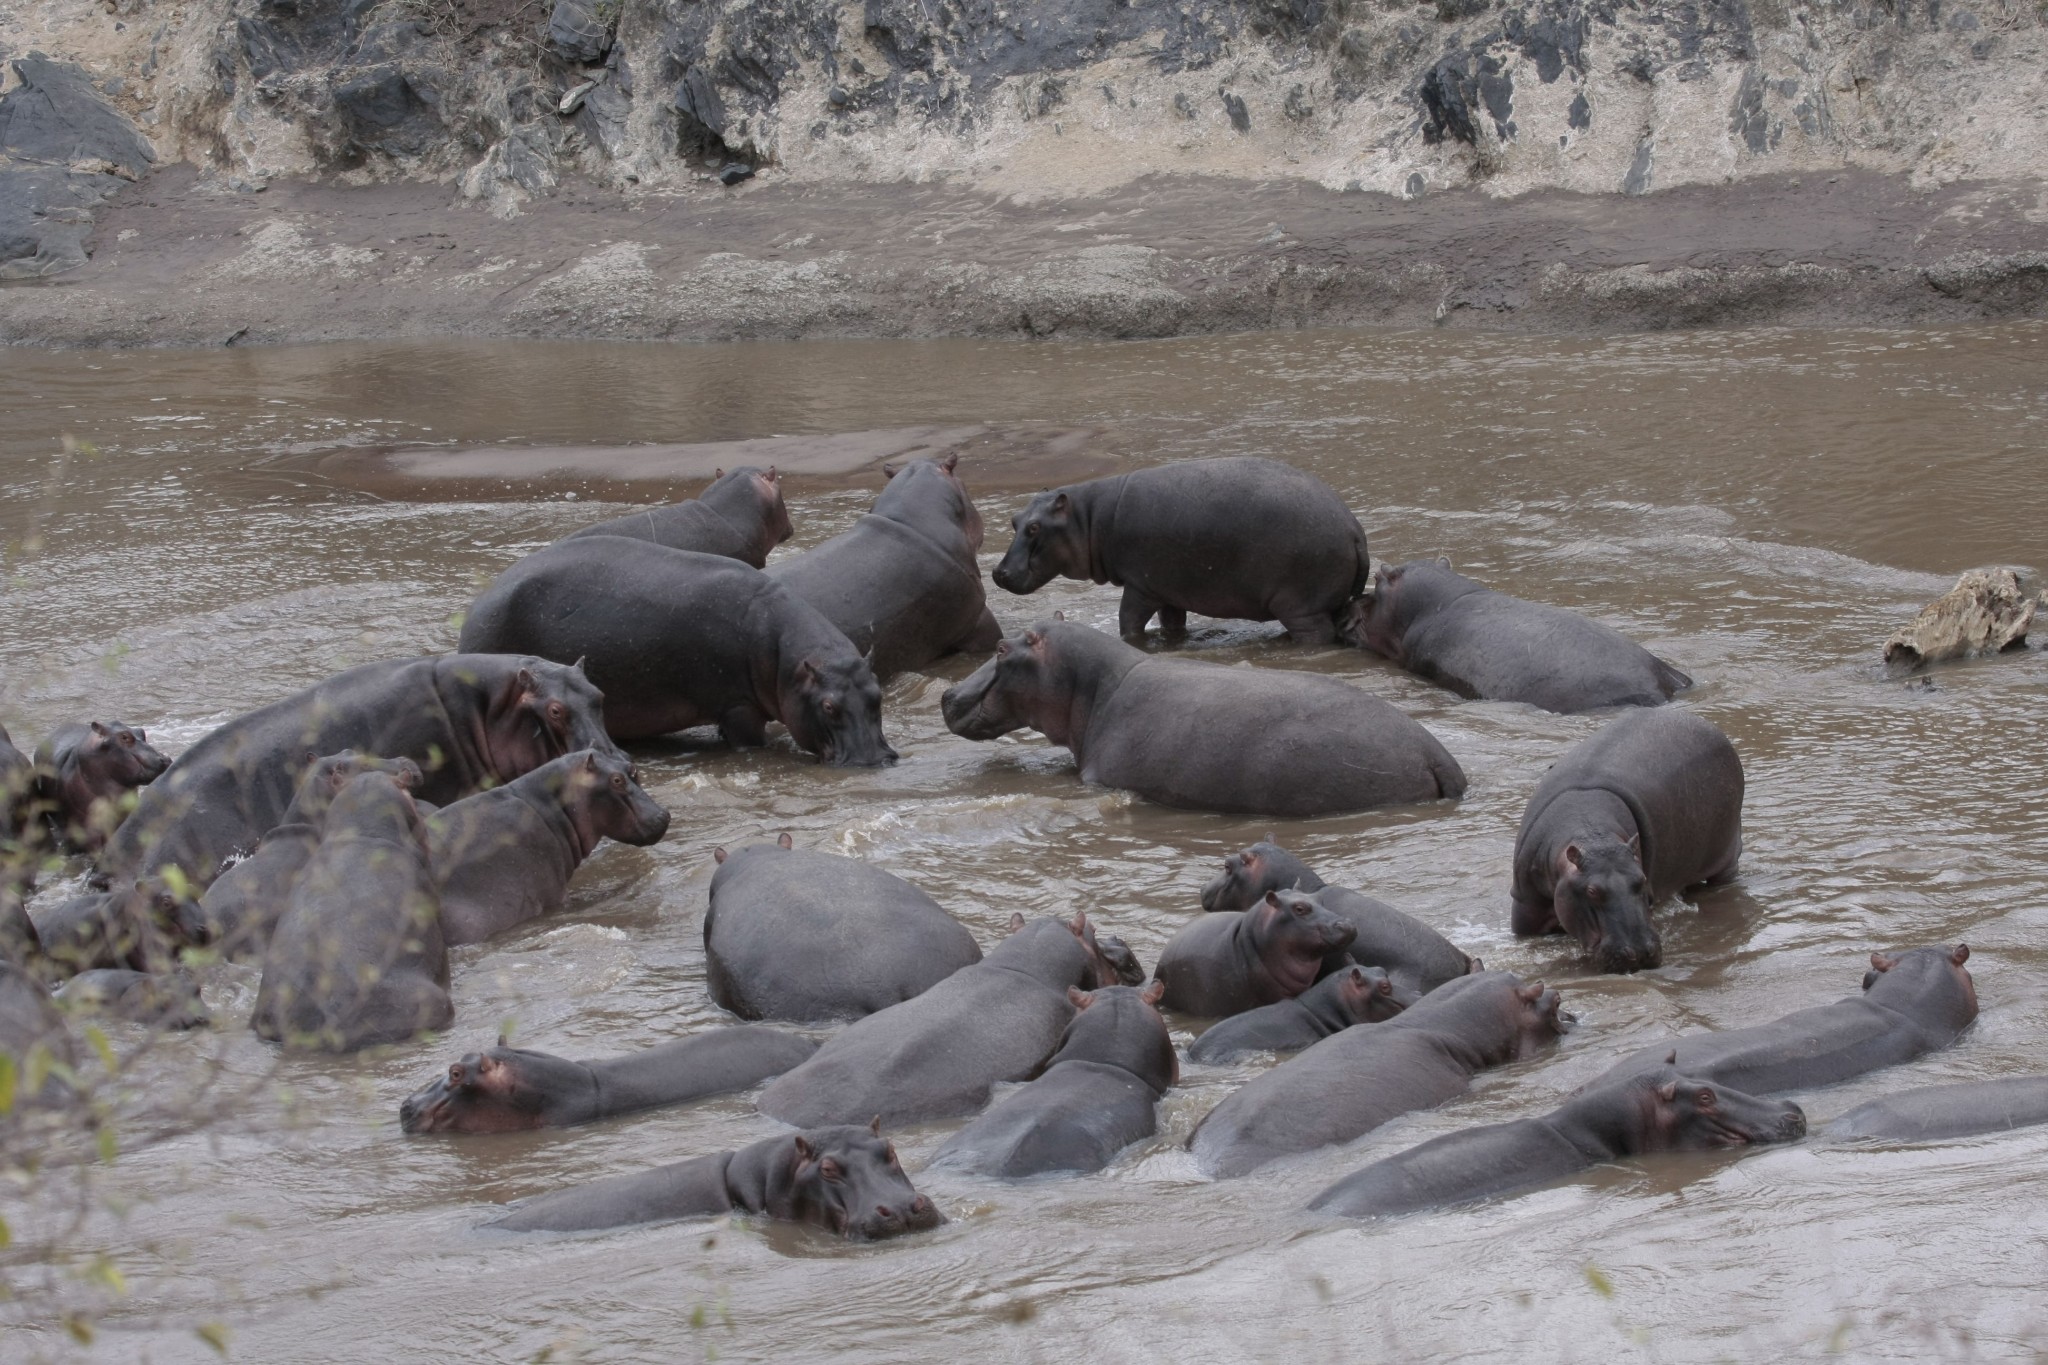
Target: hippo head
column 1397, row 597
column 1249, row 874
column 848, row 1181
column 833, row 708
column 1293, row 933
column 373, row 805
column 604, row 800
column 1110, row 960
column 541, row 711
column 1927, row 984
column 1048, row 545
column 1602, row 899
column 500, row 1090
column 117, row 758
column 1035, row 679
column 1121, row 1026
column 929, row 492
column 1367, row 995
column 1538, row 1016
column 1675, row 1113
column 751, row 499
column 324, row 777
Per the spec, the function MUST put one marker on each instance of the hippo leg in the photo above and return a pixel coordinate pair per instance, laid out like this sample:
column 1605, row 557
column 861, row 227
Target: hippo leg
column 744, row 728
column 1316, row 628
column 1173, row 622
column 1529, row 919
column 1135, row 612
column 1724, row 870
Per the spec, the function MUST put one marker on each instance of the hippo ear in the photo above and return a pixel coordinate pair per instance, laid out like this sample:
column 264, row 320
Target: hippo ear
column 806, row 673
column 1059, row 503
column 951, row 462
column 1478, row 966
column 1879, row 962
column 1960, row 955
column 1079, row 998
column 1444, row 560
column 1016, row 920
column 504, row 1037
column 100, row 735
column 1153, row 992
column 773, row 477
column 590, row 760
column 578, row 665
column 783, row 840
column 1531, row 992
column 804, row 1150
column 1635, row 845
column 1078, row 926
column 889, row 471
column 1672, row 1059
column 875, row 1125
column 719, row 855
column 1574, row 857
column 718, row 473
column 1059, row 616
column 1668, row 1091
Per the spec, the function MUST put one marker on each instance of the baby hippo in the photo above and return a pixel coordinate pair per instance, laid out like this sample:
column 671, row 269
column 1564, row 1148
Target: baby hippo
column 844, row 1179
column 1356, row 995
column 1099, row 1094
column 1233, row 961
column 83, row 775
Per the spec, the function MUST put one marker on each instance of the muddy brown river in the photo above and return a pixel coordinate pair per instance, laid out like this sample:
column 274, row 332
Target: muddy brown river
column 1760, row 508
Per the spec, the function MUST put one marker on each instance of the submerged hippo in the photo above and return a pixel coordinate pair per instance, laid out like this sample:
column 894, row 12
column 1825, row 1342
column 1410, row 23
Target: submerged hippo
column 84, row 774
column 1659, row 1111
column 740, row 516
column 167, row 1000
column 1355, row 995
column 1099, row 1094
column 803, row 936
column 903, row 583
column 678, row 639
column 1233, row 961
column 1649, row 806
column 845, row 1180
column 1199, row 735
column 1354, row 1081
column 1935, row 1113
column 1436, row 622
column 508, row 1089
column 137, row 926
column 1239, row 537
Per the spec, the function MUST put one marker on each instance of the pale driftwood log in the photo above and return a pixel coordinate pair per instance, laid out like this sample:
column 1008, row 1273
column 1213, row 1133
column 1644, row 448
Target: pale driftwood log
column 1985, row 612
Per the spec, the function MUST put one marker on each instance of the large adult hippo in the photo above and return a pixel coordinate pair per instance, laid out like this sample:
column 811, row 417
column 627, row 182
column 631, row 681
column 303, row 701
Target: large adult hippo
column 507, row 1089
column 467, row 720
column 1355, row 995
column 938, row 1056
column 1232, row 961
column 1659, row 1111
column 1238, row 537
column 1200, row 735
column 804, row 936
column 845, row 1180
column 740, row 516
column 1647, row 807
column 677, row 639
column 903, row 583
column 1354, row 1081
column 1434, row 621
column 84, row 774
column 1937, row 1113
column 1415, row 955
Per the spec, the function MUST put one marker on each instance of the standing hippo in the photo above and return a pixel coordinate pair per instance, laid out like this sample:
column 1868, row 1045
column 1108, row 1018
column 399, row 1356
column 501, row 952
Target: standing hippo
column 467, row 720
column 1233, row 961
column 1936, row 1113
column 937, row 1056
column 84, row 774
column 1354, row 1081
column 358, row 958
column 903, row 583
column 1355, row 995
column 1649, row 806
column 842, row 1179
column 678, row 639
column 808, row 936
column 1099, row 1094
column 1658, row 1111
column 1239, row 537
column 508, row 1089
column 740, row 516
column 1199, row 735
column 1436, row 622
column 1415, row 955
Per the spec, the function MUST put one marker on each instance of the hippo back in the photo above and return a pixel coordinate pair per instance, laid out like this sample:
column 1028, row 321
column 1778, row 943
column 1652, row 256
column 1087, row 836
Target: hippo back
column 892, row 590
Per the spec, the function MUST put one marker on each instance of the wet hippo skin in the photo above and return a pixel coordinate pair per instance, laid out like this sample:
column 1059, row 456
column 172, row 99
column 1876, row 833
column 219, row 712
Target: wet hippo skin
column 1354, row 995
column 1236, row 960
column 740, row 516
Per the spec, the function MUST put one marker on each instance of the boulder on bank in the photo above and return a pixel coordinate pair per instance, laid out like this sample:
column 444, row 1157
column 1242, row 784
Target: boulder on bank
column 63, row 150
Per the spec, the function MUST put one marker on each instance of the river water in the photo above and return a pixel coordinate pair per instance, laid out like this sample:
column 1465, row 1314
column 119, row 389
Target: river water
column 1760, row 508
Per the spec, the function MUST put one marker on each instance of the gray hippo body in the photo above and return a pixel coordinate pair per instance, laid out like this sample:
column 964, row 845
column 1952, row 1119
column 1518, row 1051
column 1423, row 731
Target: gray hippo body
column 1435, row 622
column 138, row 926
column 903, row 584
column 1354, row 995
column 1232, row 961
column 1936, row 1113
column 1202, row 736
column 84, row 774
column 1354, row 1081
column 803, row 936
column 1240, row 537
column 1648, row 806
column 30, row 1022
column 740, row 516
column 168, row 1000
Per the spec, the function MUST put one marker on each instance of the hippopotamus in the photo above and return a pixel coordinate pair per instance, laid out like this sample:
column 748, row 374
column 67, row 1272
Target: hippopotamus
column 1663, row 1110
column 1355, row 995
column 1936, row 1113
column 1202, row 736
column 84, row 774
column 19, row 941
column 1239, row 537
column 903, row 583
column 21, row 851
column 1912, row 1003
column 1647, row 807
column 168, row 1000
column 468, row 720
column 1415, row 955
column 1434, row 621
column 792, row 934
column 845, row 1180
column 507, row 1089
column 1357, row 1079
column 30, row 1021
column 1238, row 960
column 357, row 958
column 239, row 910
column 1099, row 1094
column 137, row 925
column 677, row 639
column 740, row 516
column 939, row 1054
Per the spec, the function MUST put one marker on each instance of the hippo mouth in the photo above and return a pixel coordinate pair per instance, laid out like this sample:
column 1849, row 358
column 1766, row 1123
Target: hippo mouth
column 966, row 712
column 425, row 1111
column 886, row 1220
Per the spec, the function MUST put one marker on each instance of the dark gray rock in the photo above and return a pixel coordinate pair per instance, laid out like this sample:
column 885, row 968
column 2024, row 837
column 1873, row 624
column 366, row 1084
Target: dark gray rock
column 581, row 30
column 385, row 111
column 55, row 116
column 46, row 217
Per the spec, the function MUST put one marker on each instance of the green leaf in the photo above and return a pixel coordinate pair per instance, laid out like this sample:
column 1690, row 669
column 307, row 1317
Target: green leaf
column 177, row 883
column 108, row 1274
column 108, row 1147
column 38, row 1069
column 6, row 1083
column 98, row 1038
column 1597, row 1278
column 214, row 1334
column 80, row 1329
column 6, row 1235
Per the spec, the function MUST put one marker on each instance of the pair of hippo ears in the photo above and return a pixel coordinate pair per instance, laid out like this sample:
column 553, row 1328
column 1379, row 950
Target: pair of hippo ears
column 782, row 840
column 771, row 476
column 1379, row 985
column 1154, row 992
column 1884, row 962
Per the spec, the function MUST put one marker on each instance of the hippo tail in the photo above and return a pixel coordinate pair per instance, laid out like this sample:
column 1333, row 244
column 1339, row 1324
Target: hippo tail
column 1669, row 679
column 1450, row 777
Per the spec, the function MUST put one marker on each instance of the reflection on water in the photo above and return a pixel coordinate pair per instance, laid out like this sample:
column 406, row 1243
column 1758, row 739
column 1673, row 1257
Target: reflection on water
column 1762, row 509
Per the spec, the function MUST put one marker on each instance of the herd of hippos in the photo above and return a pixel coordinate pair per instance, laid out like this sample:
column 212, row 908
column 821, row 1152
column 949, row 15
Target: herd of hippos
column 347, row 836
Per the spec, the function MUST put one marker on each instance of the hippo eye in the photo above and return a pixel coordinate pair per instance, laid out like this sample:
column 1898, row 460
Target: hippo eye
column 1597, row 895
column 557, row 712
column 1031, row 531
column 127, row 741
column 830, row 707
column 1703, row 1100
column 830, row 1170
column 618, row 782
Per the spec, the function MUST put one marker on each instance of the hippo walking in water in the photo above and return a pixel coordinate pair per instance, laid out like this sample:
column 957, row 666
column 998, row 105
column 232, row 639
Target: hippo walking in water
column 903, row 583
column 678, row 639
column 1649, row 806
column 1354, row 995
column 740, row 516
column 84, row 774
column 1199, row 735
column 1936, row 1113
column 1436, row 622
column 1239, row 537
column 1233, row 961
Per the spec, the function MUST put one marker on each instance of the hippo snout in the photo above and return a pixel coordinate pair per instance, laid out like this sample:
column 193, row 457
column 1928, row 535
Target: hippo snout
column 1792, row 1127
column 888, row 1220
column 1001, row 577
column 424, row 1110
column 1624, row 953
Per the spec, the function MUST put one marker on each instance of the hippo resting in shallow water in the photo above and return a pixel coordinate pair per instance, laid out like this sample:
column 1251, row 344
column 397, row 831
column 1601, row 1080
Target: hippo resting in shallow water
column 1934, row 1113
column 1648, row 806
column 793, row 934
column 1233, row 961
column 1354, row 1081
column 678, row 639
column 842, row 1179
column 1661, row 1110
column 84, row 774
column 1434, row 621
column 740, row 516
column 1354, row 995
column 903, row 583
column 1239, row 537
column 507, row 1089
column 1202, row 736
